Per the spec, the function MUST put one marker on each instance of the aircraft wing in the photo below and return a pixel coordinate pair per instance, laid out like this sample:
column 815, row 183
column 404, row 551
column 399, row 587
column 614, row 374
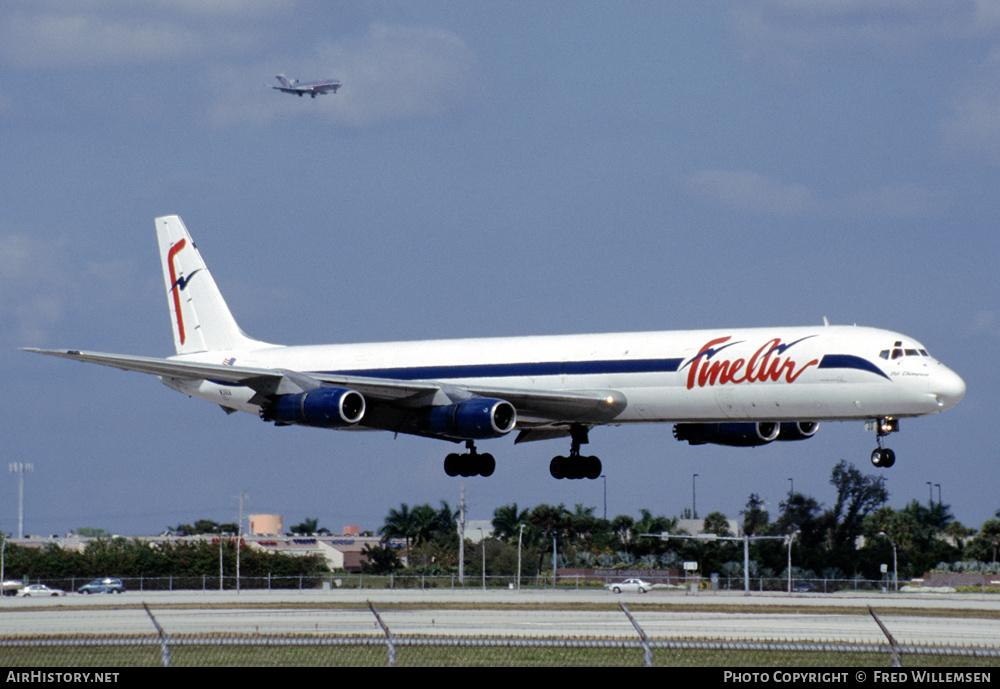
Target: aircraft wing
column 535, row 408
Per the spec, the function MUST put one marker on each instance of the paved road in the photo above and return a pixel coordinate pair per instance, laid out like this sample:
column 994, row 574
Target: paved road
column 510, row 613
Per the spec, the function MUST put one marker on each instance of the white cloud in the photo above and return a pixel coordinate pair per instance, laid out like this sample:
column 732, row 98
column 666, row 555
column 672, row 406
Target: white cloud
column 389, row 73
column 899, row 201
column 745, row 191
column 40, row 284
column 974, row 125
column 32, row 276
column 985, row 323
column 787, row 36
column 59, row 35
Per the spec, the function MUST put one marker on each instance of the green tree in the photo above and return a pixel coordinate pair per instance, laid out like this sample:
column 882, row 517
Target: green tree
column 380, row 559
column 399, row 523
column 309, row 526
column 857, row 497
column 755, row 517
column 624, row 528
column 986, row 543
column 716, row 523
column 507, row 521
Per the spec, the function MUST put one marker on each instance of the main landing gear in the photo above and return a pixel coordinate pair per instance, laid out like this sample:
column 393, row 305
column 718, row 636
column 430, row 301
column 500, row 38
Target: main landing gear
column 883, row 457
column 576, row 465
column 469, row 464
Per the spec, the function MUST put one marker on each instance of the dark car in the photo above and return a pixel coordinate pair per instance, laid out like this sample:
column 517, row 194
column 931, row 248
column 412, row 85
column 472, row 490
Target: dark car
column 105, row 585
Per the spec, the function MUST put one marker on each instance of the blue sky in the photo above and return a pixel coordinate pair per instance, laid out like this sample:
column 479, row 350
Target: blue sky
column 487, row 169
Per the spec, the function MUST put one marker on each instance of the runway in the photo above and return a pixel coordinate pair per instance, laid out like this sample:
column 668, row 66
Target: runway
column 953, row 620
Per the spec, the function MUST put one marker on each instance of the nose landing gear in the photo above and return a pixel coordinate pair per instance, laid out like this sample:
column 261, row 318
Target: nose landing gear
column 883, row 457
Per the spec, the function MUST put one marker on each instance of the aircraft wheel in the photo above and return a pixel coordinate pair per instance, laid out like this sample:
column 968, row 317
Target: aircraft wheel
column 883, row 457
column 592, row 467
column 468, row 466
column 574, row 468
column 486, row 464
column 557, row 467
column 452, row 464
column 888, row 458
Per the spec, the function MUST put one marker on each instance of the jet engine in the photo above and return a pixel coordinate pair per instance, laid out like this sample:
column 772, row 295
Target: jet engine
column 473, row 419
column 734, row 434
column 798, row 430
column 324, row 407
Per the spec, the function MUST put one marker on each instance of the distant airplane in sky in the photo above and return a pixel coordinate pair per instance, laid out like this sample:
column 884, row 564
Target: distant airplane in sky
column 310, row 87
column 738, row 387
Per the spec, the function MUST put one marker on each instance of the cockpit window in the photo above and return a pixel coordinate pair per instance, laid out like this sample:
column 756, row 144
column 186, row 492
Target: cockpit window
column 898, row 352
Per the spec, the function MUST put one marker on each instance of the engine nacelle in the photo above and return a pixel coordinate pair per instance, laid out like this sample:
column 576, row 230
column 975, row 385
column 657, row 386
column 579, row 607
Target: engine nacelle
column 734, row 434
column 473, row 419
column 798, row 430
column 322, row 407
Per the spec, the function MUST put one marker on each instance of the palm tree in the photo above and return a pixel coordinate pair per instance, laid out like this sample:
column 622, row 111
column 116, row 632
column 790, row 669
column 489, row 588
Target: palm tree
column 399, row 523
column 507, row 521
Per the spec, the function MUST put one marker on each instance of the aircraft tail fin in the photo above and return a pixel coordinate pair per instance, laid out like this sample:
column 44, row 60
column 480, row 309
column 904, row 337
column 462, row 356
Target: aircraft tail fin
column 200, row 317
column 283, row 79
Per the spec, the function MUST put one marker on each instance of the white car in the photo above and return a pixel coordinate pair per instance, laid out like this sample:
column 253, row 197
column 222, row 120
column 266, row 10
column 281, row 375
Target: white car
column 631, row 586
column 39, row 590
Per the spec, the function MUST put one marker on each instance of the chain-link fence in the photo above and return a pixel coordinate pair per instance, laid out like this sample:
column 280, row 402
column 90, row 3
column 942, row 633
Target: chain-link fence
column 284, row 651
column 453, row 581
column 390, row 649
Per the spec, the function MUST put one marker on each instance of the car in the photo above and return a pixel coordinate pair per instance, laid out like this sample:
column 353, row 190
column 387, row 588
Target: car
column 630, row 586
column 10, row 587
column 39, row 590
column 104, row 585
column 804, row 587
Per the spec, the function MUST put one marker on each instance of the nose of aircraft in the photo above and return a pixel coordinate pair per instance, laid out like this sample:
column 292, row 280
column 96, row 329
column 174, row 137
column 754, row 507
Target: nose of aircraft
column 948, row 387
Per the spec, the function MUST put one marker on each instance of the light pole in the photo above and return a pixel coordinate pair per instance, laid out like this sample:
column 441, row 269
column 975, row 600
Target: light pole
column 930, row 491
column 20, row 468
column 520, row 535
column 895, row 571
column 222, row 539
column 694, row 500
column 791, row 488
column 605, row 496
column 482, row 544
column 790, row 538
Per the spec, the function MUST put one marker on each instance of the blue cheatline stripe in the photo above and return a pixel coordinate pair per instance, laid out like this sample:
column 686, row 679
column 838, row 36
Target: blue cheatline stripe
column 850, row 361
column 525, row 369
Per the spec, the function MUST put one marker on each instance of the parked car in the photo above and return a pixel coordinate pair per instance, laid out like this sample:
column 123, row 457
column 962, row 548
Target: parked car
column 804, row 587
column 631, row 586
column 39, row 590
column 10, row 587
column 105, row 585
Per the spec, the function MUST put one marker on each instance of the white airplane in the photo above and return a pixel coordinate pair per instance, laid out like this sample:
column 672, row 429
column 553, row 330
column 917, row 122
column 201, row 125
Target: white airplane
column 308, row 87
column 740, row 387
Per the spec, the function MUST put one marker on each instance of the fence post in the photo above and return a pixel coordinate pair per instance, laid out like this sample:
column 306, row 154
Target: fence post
column 164, row 644
column 391, row 639
column 647, row 649
column 897, row 659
